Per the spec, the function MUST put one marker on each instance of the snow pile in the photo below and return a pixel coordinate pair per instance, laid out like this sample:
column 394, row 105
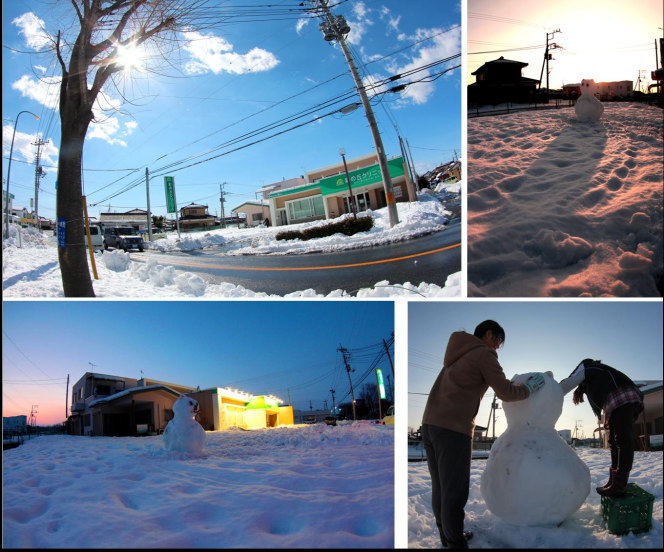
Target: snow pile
column 532, row 476
column 415, row 219
column 584, row 529
column 292, row 487
column 558, row 207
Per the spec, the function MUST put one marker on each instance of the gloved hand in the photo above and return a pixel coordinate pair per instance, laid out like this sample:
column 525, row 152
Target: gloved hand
column 533, row 383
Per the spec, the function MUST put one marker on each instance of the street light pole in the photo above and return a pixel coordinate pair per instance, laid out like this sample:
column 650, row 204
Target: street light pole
column 351, row 199
column 9, row 168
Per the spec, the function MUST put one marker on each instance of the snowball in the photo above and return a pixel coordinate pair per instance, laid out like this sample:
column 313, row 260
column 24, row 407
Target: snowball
column 532, row 476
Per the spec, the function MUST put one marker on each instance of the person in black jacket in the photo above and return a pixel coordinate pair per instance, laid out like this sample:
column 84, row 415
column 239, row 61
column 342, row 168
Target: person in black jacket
column 617, row 396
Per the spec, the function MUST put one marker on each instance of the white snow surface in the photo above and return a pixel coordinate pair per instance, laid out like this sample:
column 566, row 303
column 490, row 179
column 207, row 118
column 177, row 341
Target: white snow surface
column 585, row 529
column 532, row 476
column 303, row 486
column 558, row 207
column 30, row 266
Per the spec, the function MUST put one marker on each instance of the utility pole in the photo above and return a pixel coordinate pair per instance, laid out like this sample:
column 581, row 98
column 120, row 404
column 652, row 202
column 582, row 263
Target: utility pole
column 389, row 357
column 39, row 172
column 334, row 406
column 547, row 57
column 67, row 400
column 345, row 354
column 147, row 193
column 222, row 193
column 335, row 28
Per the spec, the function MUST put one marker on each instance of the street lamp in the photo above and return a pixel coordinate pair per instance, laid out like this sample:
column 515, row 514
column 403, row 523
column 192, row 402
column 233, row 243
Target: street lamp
column 9, row 168
column 351, row 201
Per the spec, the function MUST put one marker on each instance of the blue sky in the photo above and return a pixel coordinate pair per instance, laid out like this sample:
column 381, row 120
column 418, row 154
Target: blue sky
column 226, row 82
column 261, row 347
column 540, row 336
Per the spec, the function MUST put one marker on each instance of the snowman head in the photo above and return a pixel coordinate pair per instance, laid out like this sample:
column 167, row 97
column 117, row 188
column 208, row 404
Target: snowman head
column 541, row 409
column 587, row 87
column 186, row 407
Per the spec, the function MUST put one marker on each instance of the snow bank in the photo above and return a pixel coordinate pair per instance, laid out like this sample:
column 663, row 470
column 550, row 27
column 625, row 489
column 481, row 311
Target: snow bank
column 312, row 486
column 557, row 207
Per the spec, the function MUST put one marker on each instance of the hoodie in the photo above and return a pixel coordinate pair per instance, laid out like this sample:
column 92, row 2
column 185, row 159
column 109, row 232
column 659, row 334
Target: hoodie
column 470, row 367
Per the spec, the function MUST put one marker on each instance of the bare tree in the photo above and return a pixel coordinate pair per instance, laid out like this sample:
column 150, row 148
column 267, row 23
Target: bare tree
column 104, row 29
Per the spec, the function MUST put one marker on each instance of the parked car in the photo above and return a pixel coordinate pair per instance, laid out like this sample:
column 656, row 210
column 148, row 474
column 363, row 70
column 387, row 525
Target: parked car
column 122, row 237
column 330, row 420
column 96, row 237
column 388, row 419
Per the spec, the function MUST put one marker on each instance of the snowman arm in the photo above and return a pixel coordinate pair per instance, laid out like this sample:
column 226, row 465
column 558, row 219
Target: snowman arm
column 574, row 380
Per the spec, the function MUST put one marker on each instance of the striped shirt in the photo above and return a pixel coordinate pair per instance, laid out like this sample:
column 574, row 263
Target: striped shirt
column 620, row 397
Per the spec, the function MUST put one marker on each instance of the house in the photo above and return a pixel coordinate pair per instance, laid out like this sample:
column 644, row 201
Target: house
column 104, row 404
column 194, row 216
column 500, row 81
column 649, row 424
column 255, row 212
column 325, row 192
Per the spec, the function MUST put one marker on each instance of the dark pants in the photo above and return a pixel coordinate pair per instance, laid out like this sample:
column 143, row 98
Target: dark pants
column 621, row 439
column 448, row 456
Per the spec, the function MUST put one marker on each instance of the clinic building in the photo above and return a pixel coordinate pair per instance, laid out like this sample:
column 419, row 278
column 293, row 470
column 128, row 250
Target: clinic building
column 324, row 193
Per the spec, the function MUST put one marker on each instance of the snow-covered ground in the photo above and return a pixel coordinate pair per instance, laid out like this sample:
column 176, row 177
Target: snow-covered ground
column 557, row 207
column 306, row 486
column 30, row 261
column 585, row 529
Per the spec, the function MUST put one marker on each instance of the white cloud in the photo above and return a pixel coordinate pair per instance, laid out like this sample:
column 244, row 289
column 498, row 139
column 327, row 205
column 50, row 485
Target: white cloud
column 33, row 29
column 46, row 91
column 301, row 23
column 213, row 53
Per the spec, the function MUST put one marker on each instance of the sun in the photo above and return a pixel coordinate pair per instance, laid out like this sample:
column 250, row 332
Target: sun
column 129, row 57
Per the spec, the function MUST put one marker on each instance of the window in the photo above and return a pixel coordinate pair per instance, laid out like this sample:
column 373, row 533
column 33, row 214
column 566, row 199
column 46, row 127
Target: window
column 256, row 216
column 306, row 207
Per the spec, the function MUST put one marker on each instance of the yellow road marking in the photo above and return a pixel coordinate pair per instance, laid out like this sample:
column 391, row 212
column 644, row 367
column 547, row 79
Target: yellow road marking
column 282, row 269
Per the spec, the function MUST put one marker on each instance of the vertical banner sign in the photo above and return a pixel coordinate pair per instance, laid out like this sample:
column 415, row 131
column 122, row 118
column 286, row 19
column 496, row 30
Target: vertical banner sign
column 381, row 384
column 62, row 232
column 169, row 183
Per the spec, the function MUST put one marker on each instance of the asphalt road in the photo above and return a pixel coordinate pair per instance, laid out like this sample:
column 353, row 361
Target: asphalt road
column 427, row 259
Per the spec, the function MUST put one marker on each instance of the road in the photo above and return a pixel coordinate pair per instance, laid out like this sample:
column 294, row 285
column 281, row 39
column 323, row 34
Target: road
column 427, row 259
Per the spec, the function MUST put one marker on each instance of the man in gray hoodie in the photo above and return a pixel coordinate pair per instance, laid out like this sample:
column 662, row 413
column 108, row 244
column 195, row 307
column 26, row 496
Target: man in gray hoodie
column 470, row 367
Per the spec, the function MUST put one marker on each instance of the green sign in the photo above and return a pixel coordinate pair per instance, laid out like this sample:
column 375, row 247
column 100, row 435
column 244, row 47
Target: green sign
column 261, row 402
column 290, row 191
column 169, row 184
column 360, row 177
column 381, row 384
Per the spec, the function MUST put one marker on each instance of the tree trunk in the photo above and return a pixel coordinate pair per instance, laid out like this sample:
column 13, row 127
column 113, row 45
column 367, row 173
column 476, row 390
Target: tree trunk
column 76, row 281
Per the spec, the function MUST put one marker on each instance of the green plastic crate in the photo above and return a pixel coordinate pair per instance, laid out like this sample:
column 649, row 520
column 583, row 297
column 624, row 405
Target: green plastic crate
column 633, row 512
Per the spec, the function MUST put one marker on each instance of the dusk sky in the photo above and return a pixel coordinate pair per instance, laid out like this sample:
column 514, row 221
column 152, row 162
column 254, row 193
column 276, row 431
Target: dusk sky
column 228, row 81
column 604, row 40
column 540, row 336
column 260, row 347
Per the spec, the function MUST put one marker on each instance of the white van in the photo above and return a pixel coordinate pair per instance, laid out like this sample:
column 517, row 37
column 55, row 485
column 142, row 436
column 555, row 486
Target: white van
column 97, row 238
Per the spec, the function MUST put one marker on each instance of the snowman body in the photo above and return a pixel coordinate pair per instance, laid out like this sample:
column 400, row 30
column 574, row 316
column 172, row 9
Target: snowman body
column 183, row 433
column 532, row 476
column 588, row 108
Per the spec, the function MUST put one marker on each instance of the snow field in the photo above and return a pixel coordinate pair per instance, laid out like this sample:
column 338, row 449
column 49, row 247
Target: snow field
column 558, row 207
column 298, row 487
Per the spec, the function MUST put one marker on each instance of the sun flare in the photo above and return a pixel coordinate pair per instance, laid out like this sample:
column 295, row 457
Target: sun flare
column 129, row 56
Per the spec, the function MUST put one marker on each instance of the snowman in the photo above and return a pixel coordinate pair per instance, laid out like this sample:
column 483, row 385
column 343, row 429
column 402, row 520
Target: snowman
column 532, row 476
column 588, row 108
column 183, row 433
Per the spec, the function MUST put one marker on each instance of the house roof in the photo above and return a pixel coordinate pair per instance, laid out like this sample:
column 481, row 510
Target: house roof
column 251, row 203
column 500, row 61
column 133, row 391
